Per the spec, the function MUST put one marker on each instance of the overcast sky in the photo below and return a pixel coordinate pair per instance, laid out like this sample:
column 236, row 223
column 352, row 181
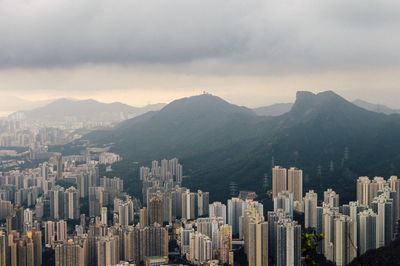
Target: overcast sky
column 251, row 52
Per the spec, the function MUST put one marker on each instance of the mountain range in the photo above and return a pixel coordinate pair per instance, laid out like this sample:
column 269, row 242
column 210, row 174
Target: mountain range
column 8, row 104
column 86, row 110
column 281, row 108
column 222, row 145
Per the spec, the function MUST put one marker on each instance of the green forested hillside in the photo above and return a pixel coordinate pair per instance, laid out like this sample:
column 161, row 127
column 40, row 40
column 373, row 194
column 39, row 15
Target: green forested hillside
column 333, row 140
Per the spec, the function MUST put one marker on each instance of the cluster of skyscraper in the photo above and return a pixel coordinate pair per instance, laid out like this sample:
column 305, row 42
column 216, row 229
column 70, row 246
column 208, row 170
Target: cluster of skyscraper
column 354, row 228
column 115, row 229
column 205, row 231
column 350, row 229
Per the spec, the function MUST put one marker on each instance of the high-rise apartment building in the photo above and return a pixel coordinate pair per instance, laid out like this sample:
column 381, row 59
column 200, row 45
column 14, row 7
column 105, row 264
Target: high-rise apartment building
column 377, row 184
column 329, row 215
column 203, row 201
column 279, row 180
column 82, row 182
column 295, row 186
column 73, row 252
column 394, row 184
column 288, row 243
column 104, row 215
column 363, row 184
column 345, row 249
column 123, row 214
column 188, row 205
column 71, row 204
column 367, row 225
column 56, row 203
column 255, row 236
column 200, row 248
column 179, row 174
column 284, row 201
column 156, row 210
column 61, row 230
column 25, row 249
column 217, row 209
column 383, row 207
column 144, row 218
column 310, row 209
column 225, row 243
column 236, row 208
column 331, row 198
column 107, row 250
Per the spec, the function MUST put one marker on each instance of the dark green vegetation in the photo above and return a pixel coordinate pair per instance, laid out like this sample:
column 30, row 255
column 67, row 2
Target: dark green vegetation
column 309, row 244
column 331, row 139
column 388, row 255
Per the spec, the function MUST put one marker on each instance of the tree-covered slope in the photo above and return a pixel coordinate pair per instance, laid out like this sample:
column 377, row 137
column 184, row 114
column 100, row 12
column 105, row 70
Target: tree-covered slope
column 332, row 139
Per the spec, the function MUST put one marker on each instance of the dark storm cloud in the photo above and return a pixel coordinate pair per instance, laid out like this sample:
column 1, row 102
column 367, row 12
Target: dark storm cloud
column 242, row 36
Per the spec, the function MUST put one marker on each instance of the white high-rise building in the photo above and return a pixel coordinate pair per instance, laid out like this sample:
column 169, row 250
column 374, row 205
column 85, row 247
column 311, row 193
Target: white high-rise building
column 57, row 202
column 49, row 233
column 28, row 219
column 295, row 186
column 377, row 184
column 218, row 209
column 164, row 168
column 202, row 203
column 61, row 230
column 225, row 243
column 179, row 174
column 107, row 250
column 354, row 209
column 331, row 198
column 200, row 248
column 71, row 204
column 288, row 243
column 236, row 208
column 279, row 180
column 188, row 205
column 155, row 169
column 383, row 206
column 284, row 201
column 328, row 228
column 363, row 183
column 394, row 184
column 123, row 214
column 144, row 173
column 310, row 209
column 344, row 248
column 273, row 218
column 367, row 230
column 104, row 215
column 255, row 237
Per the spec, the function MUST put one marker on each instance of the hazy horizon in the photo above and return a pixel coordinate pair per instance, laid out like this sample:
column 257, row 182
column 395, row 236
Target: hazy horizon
column 8, row 109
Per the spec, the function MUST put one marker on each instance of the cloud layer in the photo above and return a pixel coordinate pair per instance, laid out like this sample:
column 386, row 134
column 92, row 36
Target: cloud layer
column 251, row 52
column 240, row 36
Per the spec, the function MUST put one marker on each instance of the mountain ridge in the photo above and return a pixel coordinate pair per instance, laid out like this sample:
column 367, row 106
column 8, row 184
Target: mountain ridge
column 282, row 108
column 87, row 109
column 332, row 139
